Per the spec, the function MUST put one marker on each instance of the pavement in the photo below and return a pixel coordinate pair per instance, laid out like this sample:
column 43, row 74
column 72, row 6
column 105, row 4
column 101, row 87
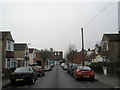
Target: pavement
column 112, row 80
column 5, row 82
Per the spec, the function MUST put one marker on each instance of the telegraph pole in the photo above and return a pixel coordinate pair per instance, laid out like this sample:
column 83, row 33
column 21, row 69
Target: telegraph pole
column 82, row 46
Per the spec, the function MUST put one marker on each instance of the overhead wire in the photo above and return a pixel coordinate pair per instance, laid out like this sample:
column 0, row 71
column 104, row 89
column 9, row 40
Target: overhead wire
column 99, row 13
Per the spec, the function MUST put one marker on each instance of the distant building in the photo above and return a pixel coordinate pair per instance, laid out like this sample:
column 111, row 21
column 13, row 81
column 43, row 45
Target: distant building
column 56, row 55
column 21, row 54
column 77, row 57
column 7, row 50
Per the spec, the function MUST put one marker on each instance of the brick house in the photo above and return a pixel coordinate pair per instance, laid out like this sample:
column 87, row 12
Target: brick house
column 21, row 54
column 56, row 55
column 7, row 54
column 98, row 55
column 76, row 57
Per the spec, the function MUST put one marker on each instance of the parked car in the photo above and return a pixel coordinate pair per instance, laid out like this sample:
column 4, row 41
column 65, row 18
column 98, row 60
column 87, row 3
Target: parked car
column 52, row 65
column 73, row 67
column 65, row 66
column 23, row 74
column 84, row 72
column 62, row 64
column 68, row 68
column 48, row 68
column 39, row 70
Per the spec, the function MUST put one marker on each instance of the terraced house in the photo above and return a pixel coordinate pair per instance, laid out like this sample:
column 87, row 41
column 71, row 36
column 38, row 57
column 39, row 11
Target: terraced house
column 21, row 54
column 7, row 50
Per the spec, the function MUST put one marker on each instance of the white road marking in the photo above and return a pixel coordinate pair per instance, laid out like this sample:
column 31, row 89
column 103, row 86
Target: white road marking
column 83, row 87
column 37, row 81
column 26, row 86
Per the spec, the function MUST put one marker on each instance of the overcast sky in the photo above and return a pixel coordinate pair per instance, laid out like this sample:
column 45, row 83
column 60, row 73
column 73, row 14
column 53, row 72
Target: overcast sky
column 56, row 24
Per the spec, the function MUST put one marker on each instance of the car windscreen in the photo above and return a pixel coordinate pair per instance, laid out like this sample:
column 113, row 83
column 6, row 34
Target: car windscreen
column 65, row 65
column 39, row 67
column 76, row 65
column 84, row 68
column 23, row 69
column 35, row 68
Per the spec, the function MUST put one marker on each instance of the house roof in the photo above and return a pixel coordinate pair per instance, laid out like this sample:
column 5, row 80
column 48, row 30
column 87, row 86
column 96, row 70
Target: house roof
column 6, row 35
column 20, row 46
column 112, row 37
column 92, row 55
column 34, row 49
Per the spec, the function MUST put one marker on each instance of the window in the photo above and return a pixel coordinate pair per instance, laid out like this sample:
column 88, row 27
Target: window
column 13, row 64
column 26, row 52
column 10, row 45
column 104, row 45
column 10, row 63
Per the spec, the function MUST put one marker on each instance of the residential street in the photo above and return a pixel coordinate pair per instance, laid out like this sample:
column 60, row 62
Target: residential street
column 60, row 44
column 58, row 78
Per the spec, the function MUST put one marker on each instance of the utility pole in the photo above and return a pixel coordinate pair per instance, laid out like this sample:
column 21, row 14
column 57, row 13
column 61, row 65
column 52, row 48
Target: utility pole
column 82, row 46
column 119, row 32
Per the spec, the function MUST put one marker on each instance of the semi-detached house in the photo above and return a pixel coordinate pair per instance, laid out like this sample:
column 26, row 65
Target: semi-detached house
column 7, row 50
column 21, row 54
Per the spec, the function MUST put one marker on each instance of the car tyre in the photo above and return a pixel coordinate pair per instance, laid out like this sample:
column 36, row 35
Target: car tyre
column 12, row 83
column 76, row 78
column 44, row 74
column 33, row 80
column 38, row 75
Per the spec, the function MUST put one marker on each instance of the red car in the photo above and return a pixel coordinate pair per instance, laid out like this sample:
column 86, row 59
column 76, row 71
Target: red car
column 39, row 70
column 84, row 72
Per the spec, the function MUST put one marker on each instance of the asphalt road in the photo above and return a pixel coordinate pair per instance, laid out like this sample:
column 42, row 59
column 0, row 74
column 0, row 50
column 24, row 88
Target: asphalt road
column 59, row 78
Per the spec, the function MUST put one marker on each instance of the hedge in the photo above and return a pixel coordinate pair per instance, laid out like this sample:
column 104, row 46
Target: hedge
column 112, row 67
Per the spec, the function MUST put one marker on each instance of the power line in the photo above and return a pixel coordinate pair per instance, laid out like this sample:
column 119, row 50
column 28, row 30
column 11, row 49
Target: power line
column 98, row 13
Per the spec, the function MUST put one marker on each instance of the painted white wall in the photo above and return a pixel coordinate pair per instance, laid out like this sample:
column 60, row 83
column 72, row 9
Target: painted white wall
column 99, row 58
column 31, row 58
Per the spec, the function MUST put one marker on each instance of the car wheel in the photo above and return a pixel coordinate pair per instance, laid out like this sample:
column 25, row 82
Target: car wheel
column 44, row 74
column 38, row 75
column 33, row 80
column 12, row 83
column 73, row 75
column 76, row 78
column 92, row 79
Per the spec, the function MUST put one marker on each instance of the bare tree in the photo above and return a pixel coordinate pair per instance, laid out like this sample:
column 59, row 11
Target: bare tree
column 70, row 53
column 45, row 54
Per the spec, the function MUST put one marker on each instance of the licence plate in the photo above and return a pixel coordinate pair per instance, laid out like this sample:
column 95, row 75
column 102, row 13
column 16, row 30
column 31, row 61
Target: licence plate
column 86, row 76
column 19, row 79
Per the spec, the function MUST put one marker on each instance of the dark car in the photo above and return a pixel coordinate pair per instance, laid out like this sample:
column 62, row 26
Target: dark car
column 84, row 72
column 23, row 74
column 40, row 71
column 73, row 67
